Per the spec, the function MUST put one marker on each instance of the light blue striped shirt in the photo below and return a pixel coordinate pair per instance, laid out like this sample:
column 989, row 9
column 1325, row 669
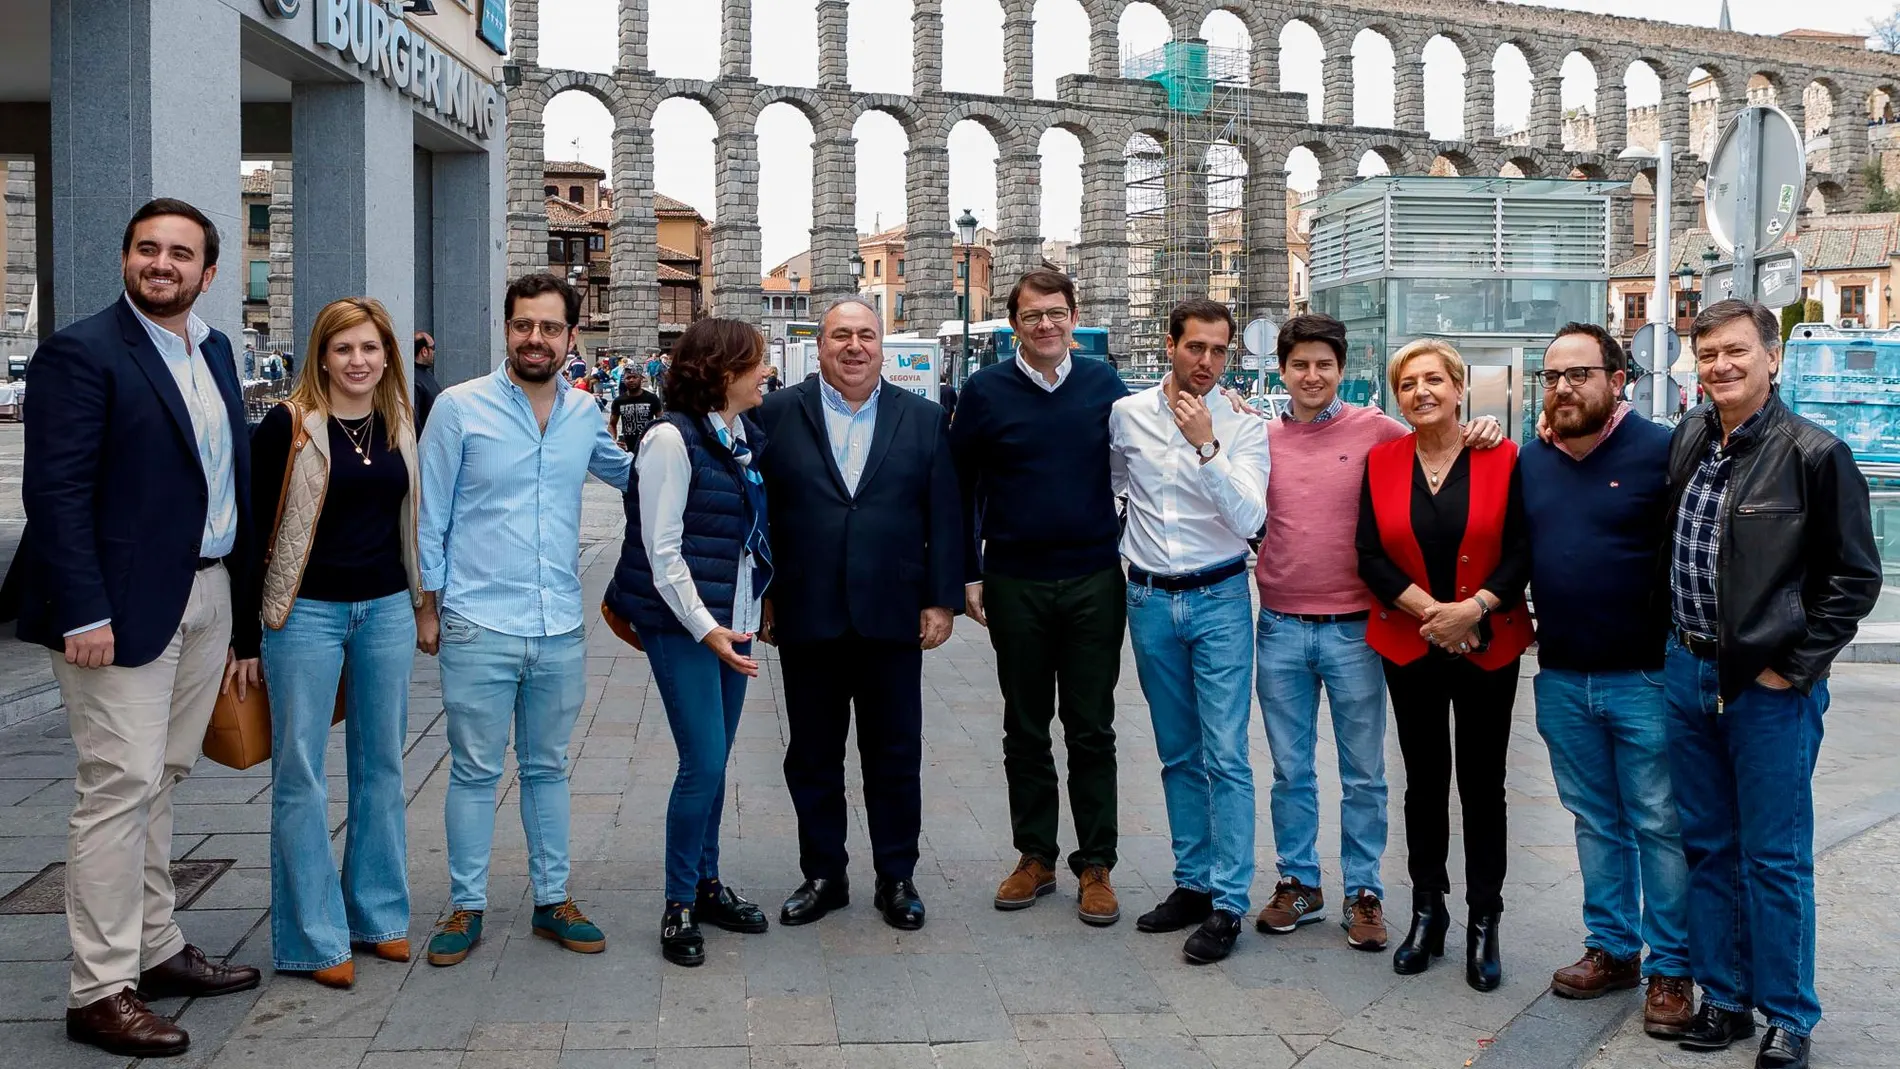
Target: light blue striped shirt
column 210, row 426
column 850, row 432
column 500, row 525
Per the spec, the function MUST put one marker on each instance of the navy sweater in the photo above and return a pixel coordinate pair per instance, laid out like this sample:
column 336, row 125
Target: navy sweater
column 1034, row 469
column 1596, row 526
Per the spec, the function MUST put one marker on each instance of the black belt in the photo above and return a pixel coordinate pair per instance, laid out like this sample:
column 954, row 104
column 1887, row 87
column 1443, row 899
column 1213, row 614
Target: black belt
column 1705, row 648
column 209, row 562
column 1330, row 617
column 1192, row 581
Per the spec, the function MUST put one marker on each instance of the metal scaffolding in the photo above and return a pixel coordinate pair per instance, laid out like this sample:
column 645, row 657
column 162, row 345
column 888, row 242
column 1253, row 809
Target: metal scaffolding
column 1186, row 189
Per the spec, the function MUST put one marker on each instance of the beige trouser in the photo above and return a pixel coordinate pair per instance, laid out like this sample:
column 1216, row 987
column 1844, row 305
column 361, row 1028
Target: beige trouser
column 138, row 732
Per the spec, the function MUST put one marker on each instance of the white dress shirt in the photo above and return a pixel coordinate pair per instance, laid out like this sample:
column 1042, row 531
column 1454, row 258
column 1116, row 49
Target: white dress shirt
column 666, row 474
column 1185, row 516
column 1062, row 372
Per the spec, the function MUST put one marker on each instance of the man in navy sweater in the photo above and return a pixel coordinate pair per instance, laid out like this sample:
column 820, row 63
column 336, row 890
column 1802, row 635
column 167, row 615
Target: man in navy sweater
column 1596, row 501
column 1043, row 574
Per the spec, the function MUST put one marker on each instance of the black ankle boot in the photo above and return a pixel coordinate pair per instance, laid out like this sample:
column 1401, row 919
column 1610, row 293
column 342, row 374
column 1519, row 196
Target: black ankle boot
column 1483, row 971
column 1426, row 940
column 680, row 940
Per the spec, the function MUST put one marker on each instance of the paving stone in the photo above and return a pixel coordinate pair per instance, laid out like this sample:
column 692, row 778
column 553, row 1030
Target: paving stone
column 412, row 1059
column 774, row 1021
column 888, row 1056
column 611, row 1035
column 1246, row 1052
column 698, row 1010
column 1071, row 1054
column 517, row 1035
column 609, row 1059
column 511, row 1059
column 292, row 1054
column 874, row 1001
column 1160, row 1053
column 820, row 1057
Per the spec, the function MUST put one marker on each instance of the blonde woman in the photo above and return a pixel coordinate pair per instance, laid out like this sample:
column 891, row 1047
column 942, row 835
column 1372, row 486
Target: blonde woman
column 334, row 489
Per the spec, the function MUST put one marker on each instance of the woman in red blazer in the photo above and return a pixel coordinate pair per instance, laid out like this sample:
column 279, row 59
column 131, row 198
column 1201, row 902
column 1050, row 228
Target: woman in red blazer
column 1443, row 548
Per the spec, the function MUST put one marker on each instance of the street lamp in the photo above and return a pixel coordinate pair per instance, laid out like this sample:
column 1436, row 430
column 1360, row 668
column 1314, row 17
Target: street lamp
column 857, row 267
column 966, row 234
column 792, row 277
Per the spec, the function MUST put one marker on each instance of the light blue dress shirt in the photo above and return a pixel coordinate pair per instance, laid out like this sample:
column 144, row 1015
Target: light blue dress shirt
column 210, row 426
column 850, row 432
column 500, row 526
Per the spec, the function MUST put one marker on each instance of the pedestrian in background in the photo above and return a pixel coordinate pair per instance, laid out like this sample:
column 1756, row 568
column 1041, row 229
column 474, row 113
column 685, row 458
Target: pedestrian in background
column 502, row 469
column 427, row 389
column 334, row 492
column 136, row 482
column 693, row 567
column 1747, row 673
column 1442, row 547
column 634, row 409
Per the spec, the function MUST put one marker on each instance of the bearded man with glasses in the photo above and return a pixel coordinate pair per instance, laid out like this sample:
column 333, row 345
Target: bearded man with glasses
column 1596, row 502
column 503, row 462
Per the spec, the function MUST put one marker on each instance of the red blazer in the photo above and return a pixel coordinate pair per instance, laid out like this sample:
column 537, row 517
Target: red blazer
column 1393, row 632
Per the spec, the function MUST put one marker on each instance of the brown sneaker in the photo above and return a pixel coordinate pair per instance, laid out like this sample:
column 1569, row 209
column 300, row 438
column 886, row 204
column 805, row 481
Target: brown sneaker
column 1669, row 1006
column 1364, row 922
column 1031, row 880
column 1095, row 903
column 1292, row 905
column 1597, row 973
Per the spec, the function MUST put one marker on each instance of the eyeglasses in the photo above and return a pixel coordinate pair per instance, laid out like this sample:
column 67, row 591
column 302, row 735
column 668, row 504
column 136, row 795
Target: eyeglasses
column 550, row 330
column 1056, row 317
column 1575, row 376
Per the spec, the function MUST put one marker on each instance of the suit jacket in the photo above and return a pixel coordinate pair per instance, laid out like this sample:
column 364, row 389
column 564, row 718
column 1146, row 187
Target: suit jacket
column 115, row 493
column 868, row 563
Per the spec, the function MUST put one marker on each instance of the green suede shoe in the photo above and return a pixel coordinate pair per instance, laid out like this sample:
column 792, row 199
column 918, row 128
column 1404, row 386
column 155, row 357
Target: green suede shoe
column 457, row 936
column 564, row 923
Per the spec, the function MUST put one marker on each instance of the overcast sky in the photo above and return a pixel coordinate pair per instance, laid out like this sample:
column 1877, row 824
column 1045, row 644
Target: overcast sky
column 684, row 42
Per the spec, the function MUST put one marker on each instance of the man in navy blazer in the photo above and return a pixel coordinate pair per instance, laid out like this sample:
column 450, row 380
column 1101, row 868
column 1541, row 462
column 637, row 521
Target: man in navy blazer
column 867, row 519
column 136, row 486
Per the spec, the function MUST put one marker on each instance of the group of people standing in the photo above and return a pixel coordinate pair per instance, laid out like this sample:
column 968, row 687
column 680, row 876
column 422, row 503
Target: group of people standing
column 170, row 553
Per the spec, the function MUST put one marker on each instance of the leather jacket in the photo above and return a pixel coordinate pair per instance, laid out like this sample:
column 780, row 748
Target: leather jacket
column 1797, row 567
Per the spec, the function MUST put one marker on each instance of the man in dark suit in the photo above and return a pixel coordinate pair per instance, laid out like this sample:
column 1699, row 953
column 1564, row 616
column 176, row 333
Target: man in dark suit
column 427, row 389
column 137, row 480
column 866, row 520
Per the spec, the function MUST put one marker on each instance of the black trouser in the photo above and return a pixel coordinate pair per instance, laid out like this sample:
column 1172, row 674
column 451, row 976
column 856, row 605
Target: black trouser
column 1423, row 694
column 885, row 681
column 1062, row 635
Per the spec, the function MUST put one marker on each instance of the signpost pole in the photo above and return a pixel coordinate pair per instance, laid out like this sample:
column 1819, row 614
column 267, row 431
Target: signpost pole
column 1747, row 203
column 1659, row 301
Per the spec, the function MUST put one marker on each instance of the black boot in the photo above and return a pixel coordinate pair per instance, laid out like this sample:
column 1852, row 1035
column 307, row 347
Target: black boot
column 1426, row 940
column 1483, row 971
column 680, row 940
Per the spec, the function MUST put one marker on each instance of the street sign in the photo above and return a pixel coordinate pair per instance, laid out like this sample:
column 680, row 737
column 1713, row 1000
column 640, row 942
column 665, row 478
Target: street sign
column 1644, row 348
column 1260, row 337
column 1754, row 187
column 1777, row 279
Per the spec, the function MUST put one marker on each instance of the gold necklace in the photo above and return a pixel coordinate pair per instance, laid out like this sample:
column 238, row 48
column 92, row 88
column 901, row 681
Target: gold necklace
column 1434, row 472
column 360, row 445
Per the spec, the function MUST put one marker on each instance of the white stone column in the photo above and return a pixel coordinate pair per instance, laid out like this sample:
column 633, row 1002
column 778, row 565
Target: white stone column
column 527, row 232
column 926, row 49
column 1101, row 260
column 634, row 289
column 834, row 232
column 735, row 230
column 634, row 24
column 1480, row 100
column 1105, row 59
column 834, row 18
column 1019, row 211
column 1409, row 88
column 283, row 262
column 930, row 292
column 735, row 39
column 1267, row 269
column 1612, row 118
column 1336, row 77
column 1019, row 49
column 524, row 31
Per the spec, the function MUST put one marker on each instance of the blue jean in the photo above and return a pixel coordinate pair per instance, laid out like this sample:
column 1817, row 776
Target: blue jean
column 702, row 698
column 1295, row 656
column 314, row 917
column 1609, row 752
column 1195, row 662
column 1743, row 779
column 491, row 682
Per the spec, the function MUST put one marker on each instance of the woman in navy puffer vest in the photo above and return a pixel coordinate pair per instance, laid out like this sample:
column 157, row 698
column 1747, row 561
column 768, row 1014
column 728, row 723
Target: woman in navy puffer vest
column 695, row 563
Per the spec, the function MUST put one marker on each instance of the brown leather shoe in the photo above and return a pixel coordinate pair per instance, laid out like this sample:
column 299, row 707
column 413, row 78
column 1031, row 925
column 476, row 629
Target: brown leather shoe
column 1096, row 904
column 190, row 974
column 1365, row 922
column 1293, row 904
column 120, row 1024
column 392, row 950
column 1597, row 973
column 1031, row 880
column 1669, row 1006
column 341, row 975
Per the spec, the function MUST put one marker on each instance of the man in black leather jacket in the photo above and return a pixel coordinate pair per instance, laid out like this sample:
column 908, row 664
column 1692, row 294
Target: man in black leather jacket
column 1771, row 566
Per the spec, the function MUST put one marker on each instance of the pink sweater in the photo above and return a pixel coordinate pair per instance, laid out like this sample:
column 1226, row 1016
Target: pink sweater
column 1308, row 563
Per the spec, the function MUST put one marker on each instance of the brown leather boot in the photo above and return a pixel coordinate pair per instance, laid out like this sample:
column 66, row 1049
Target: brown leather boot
column 393, row 950
column 190, row 974
column 1096, row 904
column 1597, row 973
column 1669, row 1006
column 342, row 974
column 120, row 1024
column 1031, row 880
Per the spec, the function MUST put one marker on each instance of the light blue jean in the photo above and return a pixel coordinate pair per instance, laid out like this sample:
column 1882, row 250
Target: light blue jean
column 1295, row 656
column 1744, row 775
column 703, row 698
column 1609, row 751
column 314, row 917
column 1195, row 662
column 491, row 682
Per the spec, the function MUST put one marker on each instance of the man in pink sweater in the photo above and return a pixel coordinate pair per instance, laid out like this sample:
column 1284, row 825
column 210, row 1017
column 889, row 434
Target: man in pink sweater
column 1312, row 630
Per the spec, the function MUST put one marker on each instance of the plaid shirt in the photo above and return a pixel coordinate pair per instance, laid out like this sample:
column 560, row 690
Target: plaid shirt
column 1698, row 536
column 1331, row 411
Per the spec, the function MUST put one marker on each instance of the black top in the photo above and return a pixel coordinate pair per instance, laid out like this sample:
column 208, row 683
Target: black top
column 633, row 419
column 1438, row 522
column 427, row 390
column 357, row 555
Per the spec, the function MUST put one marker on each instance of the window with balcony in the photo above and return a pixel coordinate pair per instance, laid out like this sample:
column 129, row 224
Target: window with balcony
column 260, row 222
column 1635, row 310
column 259, row 288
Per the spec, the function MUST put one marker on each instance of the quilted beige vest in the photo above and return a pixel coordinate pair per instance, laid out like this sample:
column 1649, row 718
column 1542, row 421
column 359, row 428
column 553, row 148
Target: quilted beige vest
column 304, row 486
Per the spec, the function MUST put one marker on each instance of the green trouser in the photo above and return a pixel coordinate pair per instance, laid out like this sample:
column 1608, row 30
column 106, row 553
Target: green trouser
column 1066, row 635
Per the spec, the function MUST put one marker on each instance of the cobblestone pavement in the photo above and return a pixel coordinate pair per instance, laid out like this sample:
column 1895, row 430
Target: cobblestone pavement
column 974, row 988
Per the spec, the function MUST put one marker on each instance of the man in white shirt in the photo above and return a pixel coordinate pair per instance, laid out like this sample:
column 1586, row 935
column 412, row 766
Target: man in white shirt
column 1195, row 480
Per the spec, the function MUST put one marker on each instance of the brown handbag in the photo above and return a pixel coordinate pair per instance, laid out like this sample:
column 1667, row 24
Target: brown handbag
column 239, row 733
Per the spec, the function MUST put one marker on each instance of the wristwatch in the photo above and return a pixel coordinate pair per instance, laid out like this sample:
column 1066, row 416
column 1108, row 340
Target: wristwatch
column 1207, row 451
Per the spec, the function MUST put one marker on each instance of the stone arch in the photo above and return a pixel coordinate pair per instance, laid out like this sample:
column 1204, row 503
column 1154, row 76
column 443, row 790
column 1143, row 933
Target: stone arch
column 1261, row 42
column 789, row 157
column 717, row 103
column 601, row 87
column 989, row 115
column 1525, row 164
column 1042, row 75
column 904, row 109
column 1445, row 77
column 813, row 104
column 1580, row 74
column 1305, row 65
column 1087, row 129
column 1827, row 197
column 1460, row 162
column 1123, row 29
column 1375, row 52
column 1590, row 170
column 1396, row 156
column 1514, row 87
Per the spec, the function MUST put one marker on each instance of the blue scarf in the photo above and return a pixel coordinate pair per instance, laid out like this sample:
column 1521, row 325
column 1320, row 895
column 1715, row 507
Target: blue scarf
column 756, row 542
